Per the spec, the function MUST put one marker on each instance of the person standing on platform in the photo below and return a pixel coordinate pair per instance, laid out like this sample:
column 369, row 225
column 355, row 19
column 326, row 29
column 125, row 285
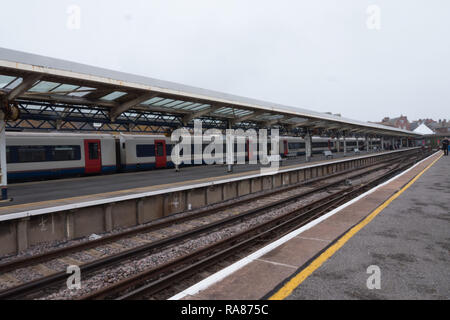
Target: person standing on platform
column 445, row 144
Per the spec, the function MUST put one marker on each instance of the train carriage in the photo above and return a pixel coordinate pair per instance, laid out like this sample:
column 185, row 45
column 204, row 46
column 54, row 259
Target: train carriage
column 51, row 155
column 296, row 146
column 144, row 152
column 46, row 155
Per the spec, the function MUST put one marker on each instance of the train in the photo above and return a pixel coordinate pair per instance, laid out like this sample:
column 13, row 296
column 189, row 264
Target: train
column 38, row 156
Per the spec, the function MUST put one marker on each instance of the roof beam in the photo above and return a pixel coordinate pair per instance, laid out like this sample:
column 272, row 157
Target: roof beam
column 307, row 123
column 119, row 109
column 270, row 123
column 189, row 117
column 27, row 83
column 66, row 99
column 320, row 125
column 335, row 127
column 98, row 93
column 102, row 103
column 248, row 117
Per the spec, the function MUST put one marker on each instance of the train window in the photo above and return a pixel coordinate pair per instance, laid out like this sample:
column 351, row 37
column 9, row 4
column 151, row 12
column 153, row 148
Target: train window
column 31, row 154
column 296, row 145
column 145, row 150
column 65, row 153
column 320, row 144
column 8, row 155
column 93, row 150
column 169, row 149
column 24, row 154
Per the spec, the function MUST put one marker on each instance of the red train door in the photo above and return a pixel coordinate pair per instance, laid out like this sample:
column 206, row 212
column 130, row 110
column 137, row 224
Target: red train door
column 160, row 154
column 249, row 151
column 93, row 156
column 286, row 150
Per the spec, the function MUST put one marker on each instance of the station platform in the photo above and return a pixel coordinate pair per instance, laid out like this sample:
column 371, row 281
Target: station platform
column 42, row 194
column 400, row 227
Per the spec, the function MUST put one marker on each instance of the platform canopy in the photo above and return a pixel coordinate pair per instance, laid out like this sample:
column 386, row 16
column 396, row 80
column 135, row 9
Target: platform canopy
column 53, row 94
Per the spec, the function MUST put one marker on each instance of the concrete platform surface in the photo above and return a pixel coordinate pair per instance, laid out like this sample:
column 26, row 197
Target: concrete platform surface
column 409, row 241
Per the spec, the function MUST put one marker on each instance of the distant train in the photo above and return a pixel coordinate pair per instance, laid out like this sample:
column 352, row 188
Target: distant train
column 33, row 156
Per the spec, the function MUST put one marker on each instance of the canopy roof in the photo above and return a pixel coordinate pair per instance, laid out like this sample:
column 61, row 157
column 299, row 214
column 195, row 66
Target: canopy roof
column 38, row 78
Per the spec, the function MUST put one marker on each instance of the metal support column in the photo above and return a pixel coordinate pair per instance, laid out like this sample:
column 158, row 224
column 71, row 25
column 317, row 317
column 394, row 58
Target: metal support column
column 345, row 146
column 3, row 168
column 382, row 143
column 367, row 143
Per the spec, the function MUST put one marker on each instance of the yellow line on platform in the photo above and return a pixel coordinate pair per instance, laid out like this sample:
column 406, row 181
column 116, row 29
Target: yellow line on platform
column 287, row 289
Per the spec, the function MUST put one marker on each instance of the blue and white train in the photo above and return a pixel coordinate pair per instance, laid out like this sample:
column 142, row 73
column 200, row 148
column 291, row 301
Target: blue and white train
column 33, row 156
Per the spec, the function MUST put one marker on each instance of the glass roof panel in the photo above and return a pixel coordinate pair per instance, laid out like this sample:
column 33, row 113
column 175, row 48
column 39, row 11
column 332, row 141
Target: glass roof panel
column 66, row 88
column 14, row 84
column 82, row 91
column 192, row 106
column 153, row 100
column 297, row 120
column 44, row 86
column 184, row 105
column 113, row 96
column 175, row 104
column 5, row 80
column 262, row 116
column 163, row 102
column 268, row 117
column 200, row 107
column 242, row 113
column 224, row 110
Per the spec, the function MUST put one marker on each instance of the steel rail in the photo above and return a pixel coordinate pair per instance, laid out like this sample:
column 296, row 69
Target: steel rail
column 45, row 256
column 323, row 205
column 39, row 284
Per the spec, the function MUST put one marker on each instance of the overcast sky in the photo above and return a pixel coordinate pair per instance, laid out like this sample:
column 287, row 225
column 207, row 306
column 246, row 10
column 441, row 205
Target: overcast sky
column 317, row 54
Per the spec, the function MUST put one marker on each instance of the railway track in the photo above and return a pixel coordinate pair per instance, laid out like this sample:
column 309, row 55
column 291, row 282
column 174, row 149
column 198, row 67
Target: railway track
column 29, row 288
column 179, row 218
column 151, row 282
